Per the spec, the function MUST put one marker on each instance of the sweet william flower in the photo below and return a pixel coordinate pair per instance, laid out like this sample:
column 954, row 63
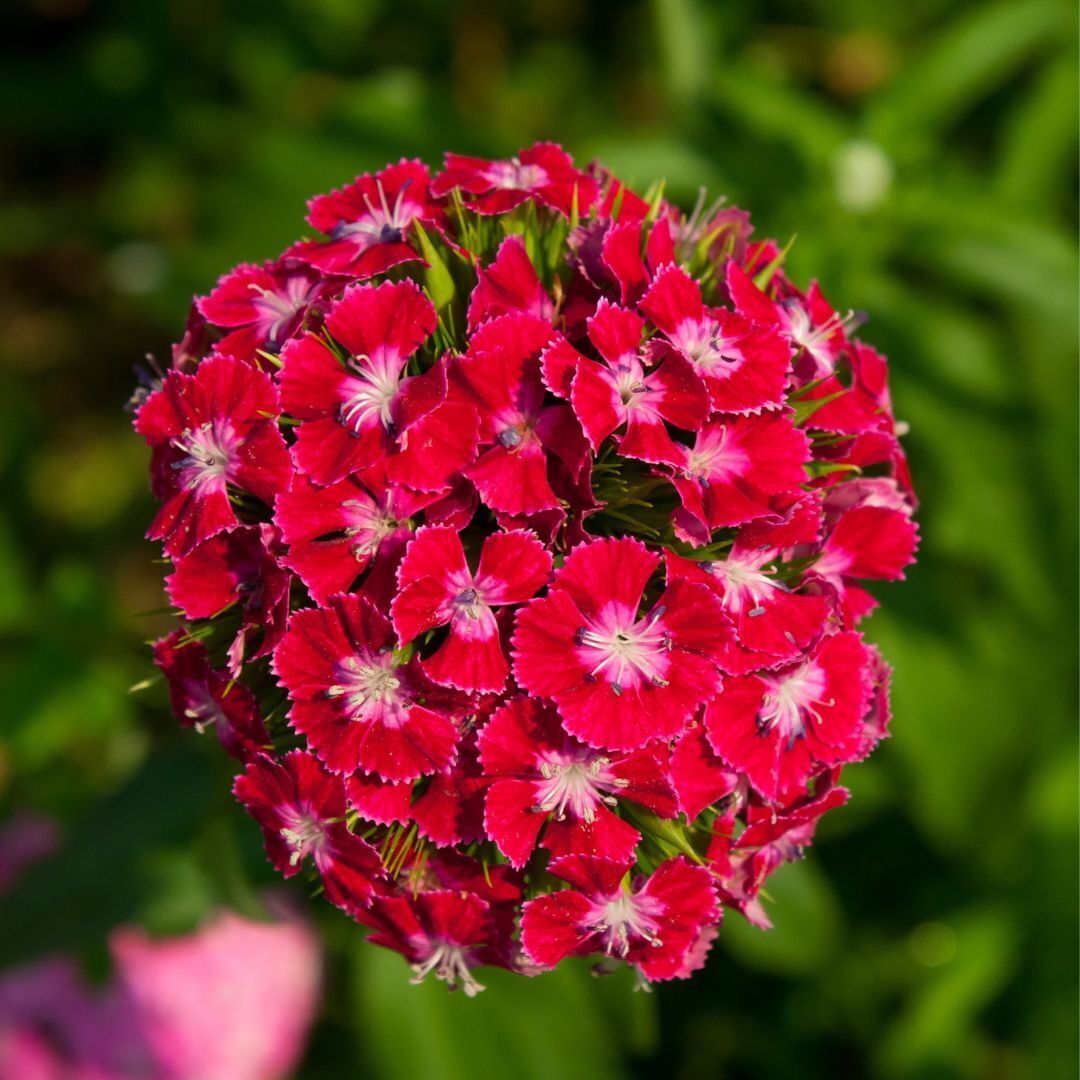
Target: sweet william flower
column 241, row 567
column 261, row 307
column 210, row 432
column 356, row 698
column 437, row 588
column 204, row 698
column 542, row 778
column 520, row 524
column 620, row 677
column 544, row 172
column 300, row 808
column 655, row 924
column 369, row 222
column 782, row 726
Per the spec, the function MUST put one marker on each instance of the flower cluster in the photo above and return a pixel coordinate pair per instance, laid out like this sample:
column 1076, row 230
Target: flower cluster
column 519, row 525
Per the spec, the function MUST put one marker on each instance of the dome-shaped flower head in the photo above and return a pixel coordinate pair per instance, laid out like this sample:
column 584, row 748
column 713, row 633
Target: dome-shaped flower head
column 437, row 588
column 370, row 221
column 620, row 676
column 261, row 307
column 744, row 364
column 782, row 726
column 301, row 810
column 356, row 697
column 544, row 172
column 655, row 924
column 210, row 432
column 544, row 778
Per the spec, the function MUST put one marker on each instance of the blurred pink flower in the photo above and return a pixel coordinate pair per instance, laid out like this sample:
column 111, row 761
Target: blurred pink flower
column 232, row 1001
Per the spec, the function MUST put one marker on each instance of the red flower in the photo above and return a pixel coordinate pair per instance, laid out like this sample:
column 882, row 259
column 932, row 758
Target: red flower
column 745, row 365
column 351, row 410
column 210, row 432
column 544, row 777
column 736, row 471
column 445, row 932
column 769, row 840
column 656, row 925
column 619, row 678
column 239, row 567
column 368, row 221
column 336, row 533
column 499, row 376
column 437, row 588
column 509, row 284
column 355, row 698
column 261, row 306
column 201, row 697
column 772, row 625
column 301, row 810
column 780, row 728
column 544, row 172
column 620, row 393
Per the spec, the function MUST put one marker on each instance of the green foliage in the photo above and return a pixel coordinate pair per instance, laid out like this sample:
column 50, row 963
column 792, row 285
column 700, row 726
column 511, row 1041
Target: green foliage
column 925, row 154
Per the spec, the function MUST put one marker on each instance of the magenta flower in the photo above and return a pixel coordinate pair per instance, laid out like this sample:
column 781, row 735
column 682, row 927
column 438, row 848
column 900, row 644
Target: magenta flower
column 499, row 377
column 620, row 678
column 541, row 555
column 356, row 698
column 351, row 409
column 211, row 432
column 437, row 588
column 368, row 222
column 336, row 533
column 240, row 567
column 544, row 172
column 621, row 393
column 656, row 924
column 744, row 364
column 509, row 284
column 300, row 808
column 203, row 697
column 261, row 307
column 544, row 778
column 782, row 726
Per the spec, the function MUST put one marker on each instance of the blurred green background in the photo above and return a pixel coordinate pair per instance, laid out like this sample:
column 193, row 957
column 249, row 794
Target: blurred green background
column 924, row 152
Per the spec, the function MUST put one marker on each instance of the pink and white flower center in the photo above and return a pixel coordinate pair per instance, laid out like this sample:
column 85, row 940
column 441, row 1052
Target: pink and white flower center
column 625, row 920
column 370, row 689
column 716, row 456
column 209, row 455
column 745, row 584
column 629, row 382
column 368, row 395
column 303, row 831
column 512, row 175
column 383, row 223
column 575, row 783
column 702, row 341
column 277, row 309
column 451, row 964
column 625, row 651
column 791, row 699
column 369, row 525
column 202, row 710
column 800, row 330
